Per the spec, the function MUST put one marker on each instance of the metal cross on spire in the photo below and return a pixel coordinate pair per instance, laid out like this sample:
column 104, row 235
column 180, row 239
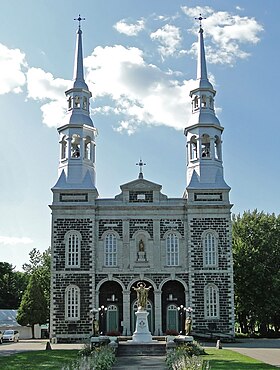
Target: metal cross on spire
column 200, row 18
column 79, row 19
column 140, row 164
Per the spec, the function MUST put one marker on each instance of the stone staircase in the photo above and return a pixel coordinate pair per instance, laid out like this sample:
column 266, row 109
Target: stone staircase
column 141, row 349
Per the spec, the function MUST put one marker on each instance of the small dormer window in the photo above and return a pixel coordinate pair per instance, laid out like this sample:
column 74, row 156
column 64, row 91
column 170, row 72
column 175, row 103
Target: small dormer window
column 77, row 101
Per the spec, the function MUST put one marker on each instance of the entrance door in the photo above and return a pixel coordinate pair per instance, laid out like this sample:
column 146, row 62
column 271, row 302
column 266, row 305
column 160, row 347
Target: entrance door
column 172, row 318
column 112, row 319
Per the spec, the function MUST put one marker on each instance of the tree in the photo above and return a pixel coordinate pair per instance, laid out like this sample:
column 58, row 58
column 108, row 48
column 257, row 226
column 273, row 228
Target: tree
column 33, row 309
column 40, row 263
column 256, row 254
column 12, row 285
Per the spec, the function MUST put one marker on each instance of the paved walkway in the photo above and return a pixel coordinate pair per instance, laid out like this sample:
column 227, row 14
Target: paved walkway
column 140, row 362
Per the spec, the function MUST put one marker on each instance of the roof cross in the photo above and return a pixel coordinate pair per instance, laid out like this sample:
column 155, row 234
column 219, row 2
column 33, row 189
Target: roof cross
column 140, row 164
column 200, row 18
column 79, row 19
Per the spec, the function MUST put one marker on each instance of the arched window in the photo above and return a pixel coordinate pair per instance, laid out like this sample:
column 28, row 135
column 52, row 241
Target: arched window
column 195, row 102
column 73, row 248
column 63, row 148
column 172, row 250
column 85, row 102
column 87, row 154
column 210, row 249
column 203, row 101
column 193, row 148
column 217, row 143
column 77, row 101
column 211, row 299
column 75, row 146
column 110, row 250
column 72, row 303
column 205, row 146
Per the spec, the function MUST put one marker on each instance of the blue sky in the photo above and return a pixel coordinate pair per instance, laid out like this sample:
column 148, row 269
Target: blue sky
column 139, row 61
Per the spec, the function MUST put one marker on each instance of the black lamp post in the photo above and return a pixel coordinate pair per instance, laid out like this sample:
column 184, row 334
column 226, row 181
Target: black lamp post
column 94, row 326
column 102, row 316
column 182, row 310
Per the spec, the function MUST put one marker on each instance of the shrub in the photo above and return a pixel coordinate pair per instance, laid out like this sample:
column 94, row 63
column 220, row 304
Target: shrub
column 185, row 357
column 101, row 358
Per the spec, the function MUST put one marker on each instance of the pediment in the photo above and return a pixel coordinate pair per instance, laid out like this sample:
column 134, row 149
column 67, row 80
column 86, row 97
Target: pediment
column 141, row 184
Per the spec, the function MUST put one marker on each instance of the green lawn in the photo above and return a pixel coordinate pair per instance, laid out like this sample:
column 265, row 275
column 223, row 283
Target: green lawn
column 219, row 360
column 36, row 360
column 225, row 359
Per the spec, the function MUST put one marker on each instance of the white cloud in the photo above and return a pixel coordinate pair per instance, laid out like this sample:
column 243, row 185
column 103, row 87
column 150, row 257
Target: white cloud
column 228, row 34
column 169, row 38
column 12, row 64
column 130, row 29
column 140, row 93
column 8, row 240
column 43, row 86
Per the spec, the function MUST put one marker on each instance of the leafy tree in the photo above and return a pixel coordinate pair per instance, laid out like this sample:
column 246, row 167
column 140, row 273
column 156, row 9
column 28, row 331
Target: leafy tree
column 33, row 309
column 40, row 263
column 12, row 285
column 256, row 253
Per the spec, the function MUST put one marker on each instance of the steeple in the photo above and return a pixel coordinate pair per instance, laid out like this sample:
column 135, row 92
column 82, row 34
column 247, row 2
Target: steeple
column 77, row 132
column 78, row 75
column 203, row 131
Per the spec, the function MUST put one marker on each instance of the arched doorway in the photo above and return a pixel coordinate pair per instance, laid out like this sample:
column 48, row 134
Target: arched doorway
column 173, row 295
column 111, row 298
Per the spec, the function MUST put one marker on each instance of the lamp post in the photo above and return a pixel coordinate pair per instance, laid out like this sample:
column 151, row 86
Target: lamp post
column 94, row 326
column 181, row 309
column 102, row 314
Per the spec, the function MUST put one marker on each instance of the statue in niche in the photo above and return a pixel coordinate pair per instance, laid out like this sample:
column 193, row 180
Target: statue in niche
column 141, row 246
column 142, row 295
column 141, row 254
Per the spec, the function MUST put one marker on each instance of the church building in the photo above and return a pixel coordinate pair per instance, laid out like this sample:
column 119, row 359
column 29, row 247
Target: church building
column 104, row 248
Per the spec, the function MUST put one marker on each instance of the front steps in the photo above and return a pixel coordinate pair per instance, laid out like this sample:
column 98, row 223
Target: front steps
column 141, row 349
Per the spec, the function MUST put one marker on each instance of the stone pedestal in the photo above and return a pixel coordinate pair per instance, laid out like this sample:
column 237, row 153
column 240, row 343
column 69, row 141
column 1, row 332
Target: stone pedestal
column 142, row 333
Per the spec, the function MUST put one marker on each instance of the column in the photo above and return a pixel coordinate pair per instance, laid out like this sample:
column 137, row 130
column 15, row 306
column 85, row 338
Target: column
column 126, row 313
column 158, row 313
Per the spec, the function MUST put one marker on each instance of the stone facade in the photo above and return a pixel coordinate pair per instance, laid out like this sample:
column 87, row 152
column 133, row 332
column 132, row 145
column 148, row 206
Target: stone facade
column 103, row 248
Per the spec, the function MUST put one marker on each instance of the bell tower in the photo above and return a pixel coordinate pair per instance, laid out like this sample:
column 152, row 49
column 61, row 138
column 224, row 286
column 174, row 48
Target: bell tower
column 203, row 133
column 77, row 133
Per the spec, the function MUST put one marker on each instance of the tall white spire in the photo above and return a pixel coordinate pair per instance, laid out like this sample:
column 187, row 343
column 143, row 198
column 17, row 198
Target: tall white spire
column 203, row 131
column 201, row 74
column 77, row 132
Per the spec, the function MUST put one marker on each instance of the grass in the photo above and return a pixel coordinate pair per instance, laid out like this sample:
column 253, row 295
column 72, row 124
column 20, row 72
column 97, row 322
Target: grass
column 225, row 359
column 37, row 360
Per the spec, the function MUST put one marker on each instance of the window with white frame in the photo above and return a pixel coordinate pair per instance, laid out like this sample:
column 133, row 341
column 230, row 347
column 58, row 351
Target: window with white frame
column 211, row 296
column 72, row 303
column 210, row 249
column 73, row 248
column 110, row 251
column 172, row 250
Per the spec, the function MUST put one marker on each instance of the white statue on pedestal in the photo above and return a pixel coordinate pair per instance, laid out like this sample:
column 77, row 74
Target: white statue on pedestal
column 142, row 333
